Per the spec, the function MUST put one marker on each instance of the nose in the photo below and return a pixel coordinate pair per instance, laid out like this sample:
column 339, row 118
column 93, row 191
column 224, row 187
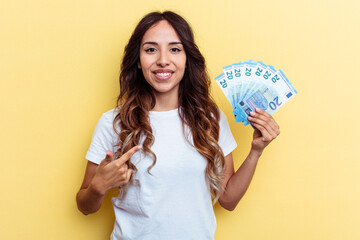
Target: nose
column 163, row 59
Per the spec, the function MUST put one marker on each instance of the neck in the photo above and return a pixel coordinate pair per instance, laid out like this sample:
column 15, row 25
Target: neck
column 164, row 102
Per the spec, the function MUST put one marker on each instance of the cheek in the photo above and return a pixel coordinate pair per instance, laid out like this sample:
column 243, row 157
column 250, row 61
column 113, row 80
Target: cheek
column 144, row 63
column 141, row 61
column 181, row 66
column 184, row 61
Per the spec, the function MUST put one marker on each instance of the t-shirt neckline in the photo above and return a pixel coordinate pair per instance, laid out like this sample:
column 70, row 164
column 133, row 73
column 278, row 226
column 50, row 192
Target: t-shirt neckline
column 172, row 112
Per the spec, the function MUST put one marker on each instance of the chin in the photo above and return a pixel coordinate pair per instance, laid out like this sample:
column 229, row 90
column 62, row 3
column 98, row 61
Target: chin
column 163, row 90
column 166, row 89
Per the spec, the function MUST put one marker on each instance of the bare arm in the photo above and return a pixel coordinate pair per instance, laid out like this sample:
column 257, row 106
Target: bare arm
column 236, row 184
column 89, row 199
column 99, row 179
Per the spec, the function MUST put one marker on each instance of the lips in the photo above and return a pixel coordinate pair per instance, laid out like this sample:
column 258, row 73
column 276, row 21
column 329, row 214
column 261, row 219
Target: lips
column 163, row 74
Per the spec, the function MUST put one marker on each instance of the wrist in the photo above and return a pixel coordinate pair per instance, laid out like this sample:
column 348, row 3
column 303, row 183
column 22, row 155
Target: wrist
column 96, row 189
column 255, row 153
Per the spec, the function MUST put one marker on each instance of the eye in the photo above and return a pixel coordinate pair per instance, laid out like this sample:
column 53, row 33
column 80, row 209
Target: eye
column 150, row 50
column 175, row 49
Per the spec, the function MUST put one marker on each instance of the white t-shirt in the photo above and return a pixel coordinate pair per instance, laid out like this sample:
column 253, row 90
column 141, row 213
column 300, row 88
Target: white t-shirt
column 175, row 201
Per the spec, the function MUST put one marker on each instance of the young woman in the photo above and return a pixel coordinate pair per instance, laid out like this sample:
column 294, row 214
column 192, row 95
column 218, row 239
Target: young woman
column 166, row 145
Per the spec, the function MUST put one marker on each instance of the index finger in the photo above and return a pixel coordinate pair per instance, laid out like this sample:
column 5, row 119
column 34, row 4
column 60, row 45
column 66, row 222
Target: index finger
column 259, row 110
column 262, row 112
column 126, row 156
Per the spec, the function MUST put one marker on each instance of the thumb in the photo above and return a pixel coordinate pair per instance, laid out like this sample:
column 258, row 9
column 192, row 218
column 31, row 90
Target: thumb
column 108, row 159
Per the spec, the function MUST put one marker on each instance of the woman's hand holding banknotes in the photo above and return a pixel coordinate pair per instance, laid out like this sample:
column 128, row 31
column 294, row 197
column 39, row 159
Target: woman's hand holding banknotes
column 266, row 129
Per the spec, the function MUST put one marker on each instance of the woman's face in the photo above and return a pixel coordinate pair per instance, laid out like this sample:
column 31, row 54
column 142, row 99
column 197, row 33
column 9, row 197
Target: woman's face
column 162, row 59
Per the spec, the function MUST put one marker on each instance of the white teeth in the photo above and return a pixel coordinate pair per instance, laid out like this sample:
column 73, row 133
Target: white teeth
column 163, row 74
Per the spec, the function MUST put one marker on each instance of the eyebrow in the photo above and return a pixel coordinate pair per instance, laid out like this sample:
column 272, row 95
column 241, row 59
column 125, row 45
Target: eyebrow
column 155, row 43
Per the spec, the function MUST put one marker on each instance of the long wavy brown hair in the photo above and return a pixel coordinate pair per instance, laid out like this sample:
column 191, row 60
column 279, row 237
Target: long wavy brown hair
column 197, row 109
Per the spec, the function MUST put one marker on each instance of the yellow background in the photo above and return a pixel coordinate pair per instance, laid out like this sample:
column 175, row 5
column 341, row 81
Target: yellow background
column 59, row 65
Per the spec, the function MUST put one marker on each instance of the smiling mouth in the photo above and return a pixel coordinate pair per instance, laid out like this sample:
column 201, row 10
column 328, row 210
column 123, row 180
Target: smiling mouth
column 163, row 74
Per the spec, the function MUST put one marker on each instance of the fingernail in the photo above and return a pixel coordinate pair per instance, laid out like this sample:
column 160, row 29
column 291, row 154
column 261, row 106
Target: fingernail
column 257, row 109
column 139, row 147
column 252, row 113
column 250, row 118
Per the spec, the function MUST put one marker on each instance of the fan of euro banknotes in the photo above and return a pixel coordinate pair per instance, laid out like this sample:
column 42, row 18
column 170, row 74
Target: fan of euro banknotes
column 248, row 85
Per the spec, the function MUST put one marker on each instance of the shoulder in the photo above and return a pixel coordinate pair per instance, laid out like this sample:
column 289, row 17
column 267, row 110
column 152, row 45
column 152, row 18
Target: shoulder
column 110, row 115
column 226, row 139
column 221, row 113
column 106, row 120
column 222, row 117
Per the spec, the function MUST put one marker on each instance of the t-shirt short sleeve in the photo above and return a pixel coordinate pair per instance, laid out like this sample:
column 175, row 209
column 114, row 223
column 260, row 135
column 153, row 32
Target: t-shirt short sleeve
column 102, row 139
column 226, row 139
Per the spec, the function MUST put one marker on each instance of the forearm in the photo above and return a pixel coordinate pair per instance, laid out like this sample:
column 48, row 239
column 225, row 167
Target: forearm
column 240, row 181
column 89, row 200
